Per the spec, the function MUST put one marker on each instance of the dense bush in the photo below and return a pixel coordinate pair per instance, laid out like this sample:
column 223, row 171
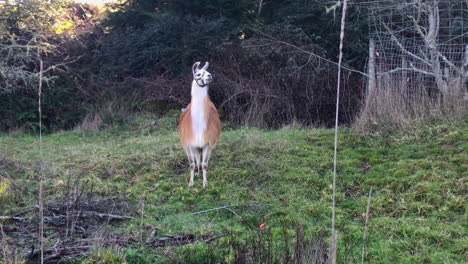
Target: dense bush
column 62, row 107
column 142, row 52
column 150, row 47
column 31, row 32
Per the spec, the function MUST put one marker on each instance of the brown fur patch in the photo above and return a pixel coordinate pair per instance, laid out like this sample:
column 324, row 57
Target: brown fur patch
column 185, row 127
column 213, row 123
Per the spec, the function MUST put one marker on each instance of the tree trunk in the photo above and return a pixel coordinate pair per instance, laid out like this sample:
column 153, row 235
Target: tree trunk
column 431, row 43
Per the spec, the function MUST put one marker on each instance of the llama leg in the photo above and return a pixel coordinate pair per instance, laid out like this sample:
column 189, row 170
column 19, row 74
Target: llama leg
column 191, row 158
column 198, row 154
column 206, row 157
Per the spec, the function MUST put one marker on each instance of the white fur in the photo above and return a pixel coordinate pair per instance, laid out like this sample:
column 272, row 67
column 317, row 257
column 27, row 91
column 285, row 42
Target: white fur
column 199, row 95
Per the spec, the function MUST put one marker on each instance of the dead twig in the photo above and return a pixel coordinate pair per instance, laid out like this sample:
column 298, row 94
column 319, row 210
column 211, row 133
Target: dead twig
column 170, row 257
column 365, row 226
column 151, row 237
column 142, row 214
column 107, row 216
column 226, row 207
column 4, row 244
column 42, row 175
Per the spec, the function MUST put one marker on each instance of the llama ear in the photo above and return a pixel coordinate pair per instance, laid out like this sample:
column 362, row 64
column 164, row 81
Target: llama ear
column 195, row 67
column 206, row 66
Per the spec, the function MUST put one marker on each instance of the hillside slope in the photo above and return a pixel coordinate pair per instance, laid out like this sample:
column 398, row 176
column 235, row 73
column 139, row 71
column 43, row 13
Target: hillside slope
column 281, row 179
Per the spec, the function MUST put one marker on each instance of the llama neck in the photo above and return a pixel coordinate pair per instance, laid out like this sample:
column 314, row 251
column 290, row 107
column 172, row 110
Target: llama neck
column 199, row 97
column 199, row 94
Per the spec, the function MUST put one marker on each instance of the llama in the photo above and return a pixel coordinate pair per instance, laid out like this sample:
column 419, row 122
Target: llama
column 199, row 124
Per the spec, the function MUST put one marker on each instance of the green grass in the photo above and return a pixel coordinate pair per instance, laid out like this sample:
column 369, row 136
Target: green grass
column 281, row 178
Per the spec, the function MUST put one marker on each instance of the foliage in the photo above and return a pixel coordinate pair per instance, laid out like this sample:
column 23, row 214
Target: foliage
column 62, row 107
column 142, row 51
column 134, row 14
column 166, row 44
column 26, row 31
column 319, row 23
column 148, row 47
column 28, row 35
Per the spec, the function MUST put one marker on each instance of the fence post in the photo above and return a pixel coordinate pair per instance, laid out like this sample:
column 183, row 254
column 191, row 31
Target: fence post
column 404, row 74
column 371, row 83
column 465, row 66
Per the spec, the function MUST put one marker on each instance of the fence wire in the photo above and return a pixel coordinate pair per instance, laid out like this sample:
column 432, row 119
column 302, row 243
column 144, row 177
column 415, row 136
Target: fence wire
column 403, row 31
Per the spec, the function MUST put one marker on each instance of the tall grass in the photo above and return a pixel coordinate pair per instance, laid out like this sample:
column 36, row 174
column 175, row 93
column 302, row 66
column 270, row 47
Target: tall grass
column 392, row 106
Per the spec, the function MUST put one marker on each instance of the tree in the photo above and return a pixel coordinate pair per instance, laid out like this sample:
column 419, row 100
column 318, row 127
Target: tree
column 30, row 32
column 27, row 33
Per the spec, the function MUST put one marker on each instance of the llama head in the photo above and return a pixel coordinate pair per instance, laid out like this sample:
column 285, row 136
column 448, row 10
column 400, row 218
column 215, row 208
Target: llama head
column 200, row 75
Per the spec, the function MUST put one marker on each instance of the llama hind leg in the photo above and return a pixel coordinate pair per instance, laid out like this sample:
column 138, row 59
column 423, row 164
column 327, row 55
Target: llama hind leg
column 206, row 157
column 198, row 154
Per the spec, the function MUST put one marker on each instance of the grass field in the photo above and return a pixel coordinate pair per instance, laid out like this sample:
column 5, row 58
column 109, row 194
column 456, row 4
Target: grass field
column 280, row 178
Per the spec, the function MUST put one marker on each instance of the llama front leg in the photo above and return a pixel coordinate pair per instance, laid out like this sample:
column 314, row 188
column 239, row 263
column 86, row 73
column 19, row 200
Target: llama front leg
column 191, row 159
column 206, row 157
column 192, row 174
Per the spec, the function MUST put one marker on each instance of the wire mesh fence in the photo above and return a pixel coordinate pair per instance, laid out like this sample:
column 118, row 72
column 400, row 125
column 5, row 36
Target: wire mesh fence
column 418, row 59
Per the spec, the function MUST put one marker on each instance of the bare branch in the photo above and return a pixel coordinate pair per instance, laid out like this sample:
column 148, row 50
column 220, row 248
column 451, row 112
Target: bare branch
column 407, row 69
column 453, row 66
column 402, row 48
column 310, row 53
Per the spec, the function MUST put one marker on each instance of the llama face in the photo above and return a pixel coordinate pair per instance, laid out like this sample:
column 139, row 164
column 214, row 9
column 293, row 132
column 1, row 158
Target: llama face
column 201, row 75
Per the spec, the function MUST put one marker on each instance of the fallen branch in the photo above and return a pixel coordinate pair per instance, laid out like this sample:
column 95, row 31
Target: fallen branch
column 151, row 236
column 108, row 216
column 60, row 251
column 27, row 210
column 180, row 240
column 52, row 219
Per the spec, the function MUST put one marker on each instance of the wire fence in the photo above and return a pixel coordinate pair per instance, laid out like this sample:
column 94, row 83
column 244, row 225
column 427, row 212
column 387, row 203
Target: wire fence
column 402, row 32
column 417, row 60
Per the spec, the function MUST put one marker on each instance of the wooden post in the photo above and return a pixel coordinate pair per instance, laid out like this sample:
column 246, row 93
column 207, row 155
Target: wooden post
column 464, row 69
column 334, row 247
column 259, row 7
column 404, row 75
column 371, row 83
